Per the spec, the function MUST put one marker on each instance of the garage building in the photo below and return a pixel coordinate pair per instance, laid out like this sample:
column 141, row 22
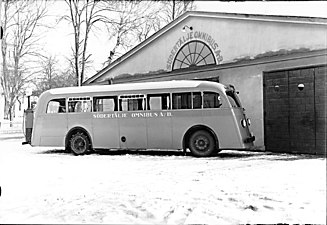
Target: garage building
column 277, row 63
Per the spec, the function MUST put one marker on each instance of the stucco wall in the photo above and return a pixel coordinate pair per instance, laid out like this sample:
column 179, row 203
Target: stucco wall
column 235, row 38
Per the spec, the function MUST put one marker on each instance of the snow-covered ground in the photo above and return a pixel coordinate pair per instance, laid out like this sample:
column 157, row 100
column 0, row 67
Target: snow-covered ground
column 45, row 185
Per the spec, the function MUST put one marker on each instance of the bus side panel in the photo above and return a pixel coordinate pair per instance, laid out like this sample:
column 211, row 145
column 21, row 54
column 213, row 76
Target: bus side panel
column 81, row 119
column 36, row 132
column 182, row 120
column 133, row 131
column 159, row 130
column 105, row 131
column 51, row 129
column 223, row 124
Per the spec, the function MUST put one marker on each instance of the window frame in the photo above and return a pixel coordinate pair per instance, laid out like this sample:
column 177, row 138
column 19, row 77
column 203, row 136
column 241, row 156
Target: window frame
column 188, row 100
column 113, row 97
column 79, row 99
column 166, row 94
column 57, row 100
column 127, row 97
column 201, row 99
column 192, row 94
column 214, row 106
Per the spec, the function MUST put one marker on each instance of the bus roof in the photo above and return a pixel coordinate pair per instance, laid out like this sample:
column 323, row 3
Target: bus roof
column 175, row 84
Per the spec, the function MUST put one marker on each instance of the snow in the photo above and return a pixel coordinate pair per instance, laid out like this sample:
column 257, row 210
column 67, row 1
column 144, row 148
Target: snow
column 46, row 185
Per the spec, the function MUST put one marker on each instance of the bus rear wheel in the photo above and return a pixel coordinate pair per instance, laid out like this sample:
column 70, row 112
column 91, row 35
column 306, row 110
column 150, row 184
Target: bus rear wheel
column 79, row 143
column 202, row 144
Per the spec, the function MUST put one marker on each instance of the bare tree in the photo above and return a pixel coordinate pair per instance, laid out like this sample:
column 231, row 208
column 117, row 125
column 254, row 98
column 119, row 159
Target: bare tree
column 174, row 8
column 84, row 15
column 127, row 22
column 152, row 23
column 130, row 23
column 20, row 20
column 135, row 21
column 52, row 77
column 48, row 74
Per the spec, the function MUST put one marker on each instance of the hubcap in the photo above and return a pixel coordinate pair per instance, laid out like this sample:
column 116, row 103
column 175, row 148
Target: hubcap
column 201, row 143
column 79, row 144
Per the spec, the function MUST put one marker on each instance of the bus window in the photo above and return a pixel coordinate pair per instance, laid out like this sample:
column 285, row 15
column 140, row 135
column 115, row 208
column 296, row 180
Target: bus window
column 105, row 104
column 211, row 100
column 158, row 101
column 182, row 100
column 197, row 100
column 132, row 102
column 79, row 104
column 56, row 106
column 233, row 99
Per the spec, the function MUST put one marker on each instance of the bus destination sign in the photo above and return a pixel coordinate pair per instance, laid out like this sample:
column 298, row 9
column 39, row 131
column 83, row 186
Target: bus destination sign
column 132, row 115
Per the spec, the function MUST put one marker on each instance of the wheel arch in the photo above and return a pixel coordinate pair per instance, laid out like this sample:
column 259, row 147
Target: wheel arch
column 194, row 128
column 73, row 131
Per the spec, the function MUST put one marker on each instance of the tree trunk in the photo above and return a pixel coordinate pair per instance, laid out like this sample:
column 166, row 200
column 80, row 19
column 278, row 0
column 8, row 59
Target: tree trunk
column 173, row 13
column 9, row 110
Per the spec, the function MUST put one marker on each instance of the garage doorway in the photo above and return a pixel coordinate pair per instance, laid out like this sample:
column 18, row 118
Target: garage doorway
column 295, row 110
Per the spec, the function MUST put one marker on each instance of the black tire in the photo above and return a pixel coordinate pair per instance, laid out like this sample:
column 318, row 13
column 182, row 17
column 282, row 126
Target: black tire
column 202, row 144
column 79, row 143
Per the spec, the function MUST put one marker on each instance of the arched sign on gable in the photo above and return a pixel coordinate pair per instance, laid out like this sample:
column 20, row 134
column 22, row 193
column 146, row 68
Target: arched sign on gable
column 194, row 49
column 193, row 53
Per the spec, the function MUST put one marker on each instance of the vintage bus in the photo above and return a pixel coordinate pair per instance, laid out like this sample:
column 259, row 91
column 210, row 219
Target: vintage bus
column 200, row 116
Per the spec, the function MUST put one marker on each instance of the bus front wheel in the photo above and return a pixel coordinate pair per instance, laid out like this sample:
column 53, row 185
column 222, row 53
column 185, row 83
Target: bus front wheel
column 202, row 144
column 79, row 143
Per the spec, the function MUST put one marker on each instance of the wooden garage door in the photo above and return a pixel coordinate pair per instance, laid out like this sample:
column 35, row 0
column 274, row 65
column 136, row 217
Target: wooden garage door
column 294, row 110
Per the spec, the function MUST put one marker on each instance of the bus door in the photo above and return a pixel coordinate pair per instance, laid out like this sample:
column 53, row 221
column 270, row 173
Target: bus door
column 159, row 121
column 105, row 122
column 52, row 125
column 187, row 112
column 132, row 124
column 79, row 113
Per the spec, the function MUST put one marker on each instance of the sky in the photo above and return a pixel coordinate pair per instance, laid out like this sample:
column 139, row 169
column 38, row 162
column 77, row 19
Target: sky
column 291, row 8
column 58, row 41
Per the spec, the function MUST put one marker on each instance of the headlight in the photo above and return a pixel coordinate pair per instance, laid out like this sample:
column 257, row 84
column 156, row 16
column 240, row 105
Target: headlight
column 249, row 122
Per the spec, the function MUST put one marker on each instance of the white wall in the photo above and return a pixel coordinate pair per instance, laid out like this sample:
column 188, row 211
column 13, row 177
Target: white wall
column 236, row 38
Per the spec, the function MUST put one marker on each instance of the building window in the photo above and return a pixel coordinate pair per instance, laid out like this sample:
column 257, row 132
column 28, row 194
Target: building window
column 194, row 53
